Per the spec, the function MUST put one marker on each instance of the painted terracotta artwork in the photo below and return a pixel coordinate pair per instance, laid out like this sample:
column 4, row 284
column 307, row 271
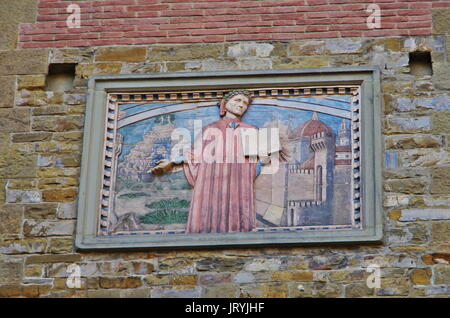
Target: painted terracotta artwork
column 303, row 178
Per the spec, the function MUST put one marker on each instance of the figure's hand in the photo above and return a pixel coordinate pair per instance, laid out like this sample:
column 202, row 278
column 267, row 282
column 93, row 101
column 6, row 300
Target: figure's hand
column 162, row 166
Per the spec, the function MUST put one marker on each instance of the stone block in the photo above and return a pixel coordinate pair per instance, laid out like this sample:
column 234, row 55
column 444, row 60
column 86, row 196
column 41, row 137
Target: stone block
column 31, row 137
column 409, row 215
column 440, row 180
column 32, row 81
column 301, row 276
column 121, row 54
column 441, row 274
column 24, row 62
column 407, row 125
column 23, row 246
column 355, row 290
column 10, row 219
column 23, row 196
column 221, row 291
column 7, row 89
column 441, row 122
column 161, row 292
column 120, row 282
column 185, row 52
column 47, row 228
column 250, row 49
column 43, row 259
column 413, row 142
column 10, row 272
column 59, row 195
column 344, row 46
column 14, row 120
column 441, row 231
column 441, row 20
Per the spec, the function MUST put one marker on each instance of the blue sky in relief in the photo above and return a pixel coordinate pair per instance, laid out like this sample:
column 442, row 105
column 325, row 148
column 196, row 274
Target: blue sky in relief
column 257, row 115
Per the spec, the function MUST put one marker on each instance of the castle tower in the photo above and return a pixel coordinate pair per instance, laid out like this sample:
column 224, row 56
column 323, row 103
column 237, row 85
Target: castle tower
column 344, row 133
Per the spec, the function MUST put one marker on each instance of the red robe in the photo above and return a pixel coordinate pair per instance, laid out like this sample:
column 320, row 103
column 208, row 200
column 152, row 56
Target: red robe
column 223, row 195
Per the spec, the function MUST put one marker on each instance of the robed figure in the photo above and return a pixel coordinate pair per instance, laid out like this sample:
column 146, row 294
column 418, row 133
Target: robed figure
column 221, row 175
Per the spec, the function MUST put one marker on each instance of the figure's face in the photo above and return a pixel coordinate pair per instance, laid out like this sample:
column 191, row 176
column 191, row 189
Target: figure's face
column 237, row 105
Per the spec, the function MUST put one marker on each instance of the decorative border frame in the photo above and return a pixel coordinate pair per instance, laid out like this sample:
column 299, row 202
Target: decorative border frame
column 99, row 152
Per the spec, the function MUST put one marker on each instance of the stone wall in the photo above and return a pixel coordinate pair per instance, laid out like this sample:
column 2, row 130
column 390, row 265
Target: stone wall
column 41, row 140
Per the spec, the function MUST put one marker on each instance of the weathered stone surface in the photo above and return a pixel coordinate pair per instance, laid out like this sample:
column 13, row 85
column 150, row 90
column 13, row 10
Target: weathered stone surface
column 59, row 195
column 393, row 287
column 24, row 62
column 10, row 272
column 42, row 259
column 302, row 48
column 23, row 246
column 441, row 122
column 33, row 271
column 122, row 54
column 301, row 276
column 142, row 268
column 424, row 157
column 61, row 246
column 14, row 120
column 120, row 282
column 407, row 125
column 221, row 291
column 220, row 264
column 10, row 219
column 274, row 290
column 301, row 62
column 424, row 214
column 185, row 52
column 261, row 265
column 441, row 18
column 51, row 183
column 47, row 228
column 157, row 280
column 67, row 210
column 344, row 46
column 49, row 123
column 31, row 137
column 135, row 293
column 7, row 88
column 441, row 274
column 9, row 35
column 87, row 70
column 443, row 290
column 50, row 110
column 250, row 49
column 441, row 231
column 406, row 185
column 436, row 258
column 358, row 290
column 440, row 180
column 17, row 165
column 183, row 280
column 18, row 11
column 412, row 142
column 159, row 292
column 32, row 81
column 23, row 196
column 68, row 160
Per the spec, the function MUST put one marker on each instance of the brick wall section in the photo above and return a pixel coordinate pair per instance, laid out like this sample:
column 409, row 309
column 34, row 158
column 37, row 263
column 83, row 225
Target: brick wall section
column 41, row 140
column 139, row 22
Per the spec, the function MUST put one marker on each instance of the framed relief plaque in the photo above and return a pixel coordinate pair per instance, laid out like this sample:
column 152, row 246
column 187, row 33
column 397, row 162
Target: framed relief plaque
column 231, row 158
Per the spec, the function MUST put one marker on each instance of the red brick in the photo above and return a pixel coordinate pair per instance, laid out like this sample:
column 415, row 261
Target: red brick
column 213, row 31
column 424, row 31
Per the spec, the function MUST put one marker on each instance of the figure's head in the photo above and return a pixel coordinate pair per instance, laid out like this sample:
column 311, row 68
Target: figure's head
column 236, row 102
